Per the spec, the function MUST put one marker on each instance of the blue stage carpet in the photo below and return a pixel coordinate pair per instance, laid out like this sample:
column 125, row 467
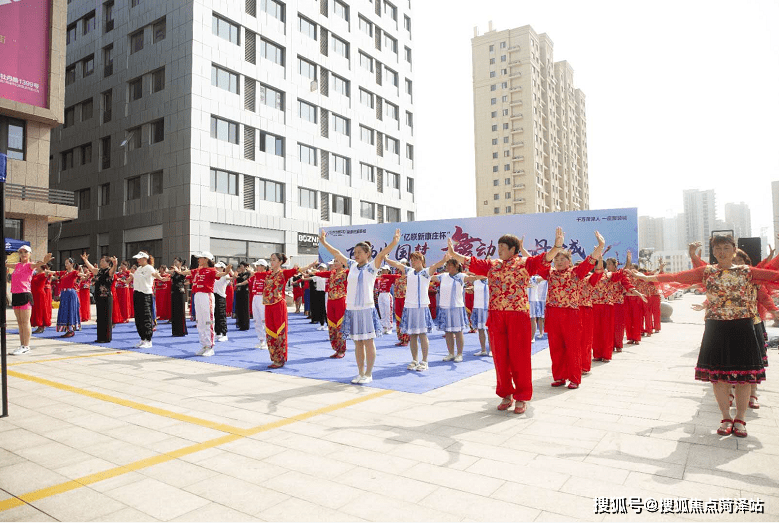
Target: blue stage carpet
column 309, row 352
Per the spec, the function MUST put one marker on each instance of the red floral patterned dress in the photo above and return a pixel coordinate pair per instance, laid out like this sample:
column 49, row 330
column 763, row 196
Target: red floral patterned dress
column 336, row 308
column 276, row 314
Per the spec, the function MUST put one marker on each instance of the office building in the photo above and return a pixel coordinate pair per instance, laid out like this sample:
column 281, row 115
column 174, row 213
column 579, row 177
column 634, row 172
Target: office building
column 237, row 127
column 700, row 214
column 530, row 131
column 739, row 218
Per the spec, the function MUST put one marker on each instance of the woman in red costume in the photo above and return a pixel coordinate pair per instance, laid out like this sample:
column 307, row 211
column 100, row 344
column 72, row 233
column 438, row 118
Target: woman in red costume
column 275, row 302
column 336, row 305
column 41, row 293
column 162, row 294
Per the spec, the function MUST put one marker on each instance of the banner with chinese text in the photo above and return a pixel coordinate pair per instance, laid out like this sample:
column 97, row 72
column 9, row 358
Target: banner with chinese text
column 24, row 51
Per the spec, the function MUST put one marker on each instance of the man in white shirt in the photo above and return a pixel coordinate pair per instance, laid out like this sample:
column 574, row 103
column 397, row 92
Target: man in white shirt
column 143, row 296
column 536, row 296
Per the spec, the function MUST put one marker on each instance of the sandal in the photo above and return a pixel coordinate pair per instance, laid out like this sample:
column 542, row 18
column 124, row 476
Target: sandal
column 558, row 383
column 740, row 433
column 68, row 334
column 520, row 408
column 753, row 404
column 506, row 403
column 275, row 365
column 573, row 385
column 728, row 430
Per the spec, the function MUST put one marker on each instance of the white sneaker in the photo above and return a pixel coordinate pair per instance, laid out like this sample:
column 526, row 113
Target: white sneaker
column 209, row 352
column 480, row 353
column 458, row 358
column 358, row 378
column 23, row 349
column 533, row 339
column 413, row 365
column 145, row 345
column 449, row 357
column 138, row 345
column 202, row 351
column 422, row 366
column 223, row 337
column 365, row 379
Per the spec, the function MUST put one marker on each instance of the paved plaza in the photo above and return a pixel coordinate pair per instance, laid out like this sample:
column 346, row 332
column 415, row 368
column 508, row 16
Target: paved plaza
column 98, row 434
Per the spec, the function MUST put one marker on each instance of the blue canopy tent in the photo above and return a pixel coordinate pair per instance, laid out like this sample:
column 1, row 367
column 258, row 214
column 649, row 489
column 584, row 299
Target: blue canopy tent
column 12, row 245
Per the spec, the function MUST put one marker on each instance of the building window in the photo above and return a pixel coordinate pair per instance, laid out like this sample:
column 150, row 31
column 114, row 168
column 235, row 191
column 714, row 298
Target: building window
column 135, row 3
column 508, row 195
column 136, row 89
column 390, row 42
column 507, row 181
column 70, row 117
column 391, row 10
column 271, row 97
column 494, row 114
column 494, row 168
column 306, row 154
column 71, row 34
column 273, row 8
column 505, row 126
column 368, row 210
column 410, row 185
column 409, row 87
column 83, row 199
column 340, row 124
column 271, row 144
column 494, row 141
column 341, row 165
column 341, row 9
column 390, row 76
column 70, row 74
column 366, row 98
column 496, row 210
column 87, row 109
column 104, row 195
column 67, row 159
column 307, row 27
column 134, row 138
column 367, row 172
column 158, row 131
column 307, row 198
column 136, row 42
column 494, row 128
column 410, row 151
column 391, row 144
column 226, row 30
column 392, row 180
column 507, row 167
column 503, row 58
column 409, row 216
column 492, row 48
column 509, row 210
column 133, row 188
column 224, row 79
column 224, row 182
column 108, row 16
column 158, row 80
column 365, row 26
column 306, row 69
column 493, row 101
column 366, row 62
column 494, row 155
column 496, row 196
column 156, row 182
column 340, row 205
column 392, row 214
column 107, row 105
column 340, row 85
column 89, row 22
column 272, row 52
column 271, row 191
column 306, row 111
column 158, row 31
column 339, row 46
column 88, row 66
column 105, row 151
column 391, row 110
column 86, row 153
column 407, row 26
column 366, row 135
column 224, row 130
column 108, row 60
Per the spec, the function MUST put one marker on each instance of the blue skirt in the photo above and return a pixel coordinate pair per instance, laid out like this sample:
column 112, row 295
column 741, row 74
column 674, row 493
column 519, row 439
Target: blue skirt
column 68, row 316
column 479, row 318
column 452, row 319
column 363, row 324
column 416, row 321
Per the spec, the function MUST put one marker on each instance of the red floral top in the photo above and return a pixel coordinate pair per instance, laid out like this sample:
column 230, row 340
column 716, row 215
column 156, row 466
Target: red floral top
column 336, row 283
column 727, row 290
column 121, row 279
column 508, row 279
column 587, row 288
column 400, row 281
column 67, row 279
column 274, row 285
column 601, row 290
column 619, row 284
column 564, row 289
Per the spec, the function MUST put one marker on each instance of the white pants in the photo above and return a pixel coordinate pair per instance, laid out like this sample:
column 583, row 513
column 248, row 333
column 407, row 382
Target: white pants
column 204, row 312
column 258, row 310
column 385, row 309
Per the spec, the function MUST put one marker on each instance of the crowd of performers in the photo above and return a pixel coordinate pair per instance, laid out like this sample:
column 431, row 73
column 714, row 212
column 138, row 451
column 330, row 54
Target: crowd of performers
column 584, row 309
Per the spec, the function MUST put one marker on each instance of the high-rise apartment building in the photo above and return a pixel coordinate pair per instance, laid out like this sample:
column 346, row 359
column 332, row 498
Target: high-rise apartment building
column 32, row 65
column 650, row 233
column 739, row 217
column 700, row 212
column 238, row 127
column 530, row 127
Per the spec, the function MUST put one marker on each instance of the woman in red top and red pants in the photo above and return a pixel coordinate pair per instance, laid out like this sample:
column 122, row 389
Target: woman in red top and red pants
column 563, row 320
column 509, row 317
column 276, row 309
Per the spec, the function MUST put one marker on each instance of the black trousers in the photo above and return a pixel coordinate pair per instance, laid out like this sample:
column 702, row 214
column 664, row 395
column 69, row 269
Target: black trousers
column 105, row 311
column 220, row 315
column 242, row 308
column 178, row 313
column 144, row 322
column 318, row 310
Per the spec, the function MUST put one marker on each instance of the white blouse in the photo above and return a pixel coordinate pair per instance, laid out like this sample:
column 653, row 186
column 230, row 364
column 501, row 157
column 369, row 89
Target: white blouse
column 450, row 294
column 359, row 286
column 481, row 294
column 417, row 285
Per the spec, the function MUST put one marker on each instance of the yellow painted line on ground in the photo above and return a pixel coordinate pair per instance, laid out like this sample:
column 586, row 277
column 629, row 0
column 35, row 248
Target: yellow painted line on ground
column 169, row 456
column 108, row 353
column 132, row 404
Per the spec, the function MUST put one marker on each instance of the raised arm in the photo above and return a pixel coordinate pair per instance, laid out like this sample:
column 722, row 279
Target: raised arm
column 338, row 255
column 439, row 263
column 559, row 238
column 598, row 252
column 693, row 249
column 522, row 250
column 228, row 270
column 395, row 265
column 386, row 250
column 459, row 257
column 85, row 259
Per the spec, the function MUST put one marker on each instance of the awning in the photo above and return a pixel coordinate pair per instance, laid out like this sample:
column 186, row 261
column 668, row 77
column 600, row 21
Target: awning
column 12, row 245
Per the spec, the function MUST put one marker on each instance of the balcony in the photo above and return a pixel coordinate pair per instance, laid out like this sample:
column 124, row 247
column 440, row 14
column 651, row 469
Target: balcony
column 517, row 88
column 519, row 171
column 516, row 103
column 519, row 186
column 518, row 130
column 41, row 201
column 515, row 62
column 517, row 116
column 518, row 144
column 515, row 74
column 514, row 48
column 519, row 158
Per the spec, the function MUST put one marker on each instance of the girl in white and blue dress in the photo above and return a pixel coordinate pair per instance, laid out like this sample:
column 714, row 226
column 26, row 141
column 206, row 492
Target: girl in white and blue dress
column 361, row 321
column 451, row 317
column 481, row 302
column 416, row 320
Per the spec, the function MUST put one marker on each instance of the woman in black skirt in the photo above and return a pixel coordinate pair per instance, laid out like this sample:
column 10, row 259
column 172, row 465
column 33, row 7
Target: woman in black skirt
column 178, row 299
column 730, row 351
column 242, row 297
column 104, row 298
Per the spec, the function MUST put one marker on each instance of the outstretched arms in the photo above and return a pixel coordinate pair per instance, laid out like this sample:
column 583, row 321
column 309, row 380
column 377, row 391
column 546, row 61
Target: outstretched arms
column 386, row 250
column 338, row 255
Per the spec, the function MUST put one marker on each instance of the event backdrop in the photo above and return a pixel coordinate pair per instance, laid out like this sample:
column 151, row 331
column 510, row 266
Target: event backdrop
column 479, row 236
column 24, row 51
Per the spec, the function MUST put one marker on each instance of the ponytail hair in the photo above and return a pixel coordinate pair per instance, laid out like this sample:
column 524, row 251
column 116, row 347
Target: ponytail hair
column 281, row 257
column 365, row 246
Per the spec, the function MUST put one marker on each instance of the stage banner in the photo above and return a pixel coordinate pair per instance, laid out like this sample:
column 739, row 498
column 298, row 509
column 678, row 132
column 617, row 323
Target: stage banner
column 24, row 51
column 479, row 236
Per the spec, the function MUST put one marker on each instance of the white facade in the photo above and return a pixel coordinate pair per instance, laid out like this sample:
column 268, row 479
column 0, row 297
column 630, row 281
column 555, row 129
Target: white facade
column 272, row 124
column 700, row 213
column 675, row 260
column 739, row 217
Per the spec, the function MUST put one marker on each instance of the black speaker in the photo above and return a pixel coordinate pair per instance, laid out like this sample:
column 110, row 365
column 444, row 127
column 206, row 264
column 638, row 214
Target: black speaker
column 752, row 247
